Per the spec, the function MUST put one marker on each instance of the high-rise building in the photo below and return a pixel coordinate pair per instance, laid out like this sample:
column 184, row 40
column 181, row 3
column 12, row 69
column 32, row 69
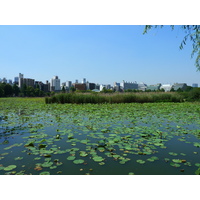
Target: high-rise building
column 84, row 80
column 26, row 81
column 10, row 81
column 55, row 84
column 16, row 80
column 4, row 80
column 68, row 84
column 21, row 76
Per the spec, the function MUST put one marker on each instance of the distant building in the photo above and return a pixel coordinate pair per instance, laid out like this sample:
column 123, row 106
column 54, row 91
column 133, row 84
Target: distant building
column 90, row 86
column 181, row 86
column 10, row 81
column 166, row 87
column 195, row 85
column 27, row 81
column 4, row 80
column 80, row 86
column 129, row 85
column 42, row 86
column 154, row 87
column 97, row 86
column 101, row 87
column 20, row 79
column 16, row 80
column 142, row 86
column 116, row 84
column 68, row 85
column 96, row 90
column 84, row 80
column 55, row 84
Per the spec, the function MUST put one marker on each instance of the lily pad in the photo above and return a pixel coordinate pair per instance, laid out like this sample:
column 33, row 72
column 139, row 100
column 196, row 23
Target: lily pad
column 175, row 164
column 177, row 160
column 98, row 158
column 197, row 172
column 47, row 164
column 173, row 154
column 9, row 168
column 83, row 153
column 18, row 158
column 45, row 173
column 140, row 161
column 197, row 164
column 79, row 161
column 71, row 158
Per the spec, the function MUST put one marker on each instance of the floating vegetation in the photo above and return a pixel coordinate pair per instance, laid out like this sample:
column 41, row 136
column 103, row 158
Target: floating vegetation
column 9, row 168
column 108, row 138
column 79, row 161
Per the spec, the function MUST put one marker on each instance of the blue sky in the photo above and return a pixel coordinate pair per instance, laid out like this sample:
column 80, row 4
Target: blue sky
column 101, row 54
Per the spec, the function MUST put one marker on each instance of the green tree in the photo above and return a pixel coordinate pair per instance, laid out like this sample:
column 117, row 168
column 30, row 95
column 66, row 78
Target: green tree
column 8, row 91
column 16, row 90
column 30, row 91
column 1, row 91
column 37, row 92
column 24, row 89
column 63, row 89
column 192, row 33
column 72, row 89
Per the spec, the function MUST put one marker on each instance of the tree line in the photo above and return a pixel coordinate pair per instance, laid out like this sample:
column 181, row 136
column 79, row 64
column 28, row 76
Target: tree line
column 7, row 90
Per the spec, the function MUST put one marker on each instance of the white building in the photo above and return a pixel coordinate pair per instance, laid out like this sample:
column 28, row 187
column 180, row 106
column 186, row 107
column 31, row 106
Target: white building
column 55, row 84
column 166, row 87
column 101, row 87
column 142, row 86
column 21, row 76
column 129, row 85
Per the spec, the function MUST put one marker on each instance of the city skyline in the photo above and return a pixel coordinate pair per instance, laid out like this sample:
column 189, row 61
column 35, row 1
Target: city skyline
column 101, row 54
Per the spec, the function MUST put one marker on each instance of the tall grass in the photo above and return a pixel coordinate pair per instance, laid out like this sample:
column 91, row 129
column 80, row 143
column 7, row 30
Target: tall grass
column 77, row 98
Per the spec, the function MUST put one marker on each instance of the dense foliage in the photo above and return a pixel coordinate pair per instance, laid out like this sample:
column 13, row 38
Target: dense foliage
column 7, row 90
column 114, row 98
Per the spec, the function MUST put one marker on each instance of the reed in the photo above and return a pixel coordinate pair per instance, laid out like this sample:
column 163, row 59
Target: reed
column 80, row 98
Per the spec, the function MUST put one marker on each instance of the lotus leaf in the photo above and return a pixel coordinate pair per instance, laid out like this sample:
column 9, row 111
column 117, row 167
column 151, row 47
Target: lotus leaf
column 140, row 161
column 47, row 164
column 18, row 158
column 79, row 161
column 83, row 153
column 177, row 160
column 71, row 158
column 45, row 173
column 175, row 164
column 98, row 158
column 197, row 164
column 9, row 168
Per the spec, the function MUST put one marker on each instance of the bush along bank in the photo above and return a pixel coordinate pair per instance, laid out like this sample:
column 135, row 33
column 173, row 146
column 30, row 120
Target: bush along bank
column 76, row 98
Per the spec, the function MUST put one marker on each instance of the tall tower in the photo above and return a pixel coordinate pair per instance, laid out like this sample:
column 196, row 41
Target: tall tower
column 21, row 76
column 84, row 80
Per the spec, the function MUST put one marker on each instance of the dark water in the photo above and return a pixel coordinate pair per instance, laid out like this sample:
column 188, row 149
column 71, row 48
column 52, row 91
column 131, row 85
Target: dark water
column 121, row 140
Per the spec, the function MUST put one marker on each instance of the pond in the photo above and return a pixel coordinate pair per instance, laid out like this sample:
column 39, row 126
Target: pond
column 105, row 139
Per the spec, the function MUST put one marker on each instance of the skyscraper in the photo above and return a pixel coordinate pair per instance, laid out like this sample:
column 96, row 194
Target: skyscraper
column 55, row 84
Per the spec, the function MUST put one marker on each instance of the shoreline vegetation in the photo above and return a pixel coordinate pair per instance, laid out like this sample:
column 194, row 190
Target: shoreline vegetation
column 100, row 98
